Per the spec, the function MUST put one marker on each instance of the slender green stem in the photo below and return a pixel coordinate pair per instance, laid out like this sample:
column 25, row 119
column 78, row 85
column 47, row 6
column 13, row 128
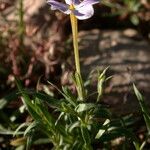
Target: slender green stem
column 74, row 25
column 78, row 77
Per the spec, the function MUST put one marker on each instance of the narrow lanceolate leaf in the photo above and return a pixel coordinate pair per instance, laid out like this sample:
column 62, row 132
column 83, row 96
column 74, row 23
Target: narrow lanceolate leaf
column 9, row 132
column 77, row 79
column 144, row 108
column 102, row 131
column 85, row 107
column 30, row 127
column 100, row 85
column 7, row 99
column 85, row 135
column 46, row 98
column 73, row 126
column 20, row 127
column 27, row 101
column 68, row 109
column 69, row 97
column 29, row 141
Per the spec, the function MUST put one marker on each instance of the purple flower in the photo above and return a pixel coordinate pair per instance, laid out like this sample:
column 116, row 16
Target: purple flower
column 82, row 10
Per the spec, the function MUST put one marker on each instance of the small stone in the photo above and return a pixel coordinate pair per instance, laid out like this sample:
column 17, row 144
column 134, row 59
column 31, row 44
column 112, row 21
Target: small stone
column 130, row 33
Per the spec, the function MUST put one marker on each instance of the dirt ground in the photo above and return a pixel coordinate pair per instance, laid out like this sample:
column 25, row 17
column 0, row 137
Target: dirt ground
column 128, row 56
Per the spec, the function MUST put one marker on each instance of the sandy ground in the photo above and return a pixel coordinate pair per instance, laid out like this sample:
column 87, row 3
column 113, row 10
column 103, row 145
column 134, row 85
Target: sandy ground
column 128, row 56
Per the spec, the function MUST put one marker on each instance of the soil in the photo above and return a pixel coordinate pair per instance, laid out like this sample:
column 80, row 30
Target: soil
column 128, row 56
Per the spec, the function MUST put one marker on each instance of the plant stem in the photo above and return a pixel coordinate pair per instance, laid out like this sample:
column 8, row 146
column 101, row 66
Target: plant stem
column 21, row 22
column 78, row 77
column 74, row 25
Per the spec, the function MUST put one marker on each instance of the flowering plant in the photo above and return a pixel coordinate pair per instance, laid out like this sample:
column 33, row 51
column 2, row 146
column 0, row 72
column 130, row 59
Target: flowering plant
column 77, row 10
column 76, row 122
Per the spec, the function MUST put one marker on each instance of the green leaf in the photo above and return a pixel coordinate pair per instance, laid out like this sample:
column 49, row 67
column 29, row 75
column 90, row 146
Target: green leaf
column 85, row 135
column 100, row 86
column 47, row 117
column 144, row 108
column 7, row 99
column 20, row 127
column 142, row 145
column 134, row 19
column 8, row 132
column 21, row 147
column 30, row 127
column 73, row 125
column 29, row 142
column 27, row 101
column 68, row 109
column 59, row 117
column 42, row 141
column 77, row 79
column 69, row 96
column 47, row 98
column 84, row 107
column 102, row 131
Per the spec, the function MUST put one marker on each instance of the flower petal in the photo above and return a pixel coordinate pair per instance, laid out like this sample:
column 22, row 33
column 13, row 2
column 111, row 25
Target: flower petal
column 69, row 2
column 77, row 13
column 88, row 2
column 84, row 12
column 76, row 2
column 60, row 6
column 73, row 2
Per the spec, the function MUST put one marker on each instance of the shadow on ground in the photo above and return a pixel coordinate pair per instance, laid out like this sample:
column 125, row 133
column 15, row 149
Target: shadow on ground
column 128, row 56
